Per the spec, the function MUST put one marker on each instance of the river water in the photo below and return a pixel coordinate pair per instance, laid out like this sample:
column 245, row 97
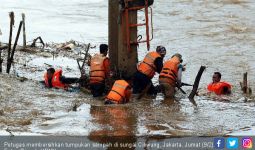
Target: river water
column 219, row 34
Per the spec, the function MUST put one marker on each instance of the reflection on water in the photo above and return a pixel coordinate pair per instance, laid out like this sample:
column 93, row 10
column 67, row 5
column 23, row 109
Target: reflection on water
column 117, row 124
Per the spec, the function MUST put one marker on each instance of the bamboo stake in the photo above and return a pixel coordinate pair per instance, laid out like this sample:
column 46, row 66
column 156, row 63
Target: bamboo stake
column 11, row 15
column 24, row 31
column 14, row 47
column 245, row 83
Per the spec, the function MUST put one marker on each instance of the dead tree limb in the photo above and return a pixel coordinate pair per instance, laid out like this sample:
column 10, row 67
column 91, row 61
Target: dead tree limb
column 9, row 62
column 195, row 85
column 11, row 15
column 86, row 56
column 81, row 67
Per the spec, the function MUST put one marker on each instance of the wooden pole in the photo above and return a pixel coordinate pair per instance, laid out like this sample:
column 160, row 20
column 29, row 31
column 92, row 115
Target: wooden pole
column 11, row 15
column 14, row 47
column 1, row 61
column 113, row 20
column 24, row 30
column 120, row 57
column 127, row 60
column 245, row 83
column 195, row 85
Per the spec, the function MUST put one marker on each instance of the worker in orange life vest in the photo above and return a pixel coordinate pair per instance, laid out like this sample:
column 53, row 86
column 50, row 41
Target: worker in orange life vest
column 152, row 63
column 54, row 78
column 120, row 92
column 99, row 71
column 170, row 76
column 217, row 86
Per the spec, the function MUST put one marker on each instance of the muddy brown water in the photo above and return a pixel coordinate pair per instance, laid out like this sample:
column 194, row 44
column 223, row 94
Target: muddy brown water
column 217, row 33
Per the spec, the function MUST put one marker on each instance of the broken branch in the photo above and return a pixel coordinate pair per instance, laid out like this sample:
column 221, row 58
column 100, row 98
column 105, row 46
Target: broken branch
column 195, row 85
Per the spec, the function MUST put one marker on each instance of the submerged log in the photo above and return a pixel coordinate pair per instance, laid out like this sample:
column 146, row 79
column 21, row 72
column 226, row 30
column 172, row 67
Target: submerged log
column 195, row 85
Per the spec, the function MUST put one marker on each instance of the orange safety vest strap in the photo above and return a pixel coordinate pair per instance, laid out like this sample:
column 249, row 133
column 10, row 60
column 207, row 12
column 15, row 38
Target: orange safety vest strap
column 147, row 66
column 123, row 98
column 170, row 70
column 56, row 80
column 97, row 69
column 119, row 88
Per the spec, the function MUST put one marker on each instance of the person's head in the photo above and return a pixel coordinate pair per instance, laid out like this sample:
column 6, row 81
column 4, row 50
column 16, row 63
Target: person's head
column 161, row 50
column 50, row 72
column 216, row 77
column 103, row 49
column 178, row 56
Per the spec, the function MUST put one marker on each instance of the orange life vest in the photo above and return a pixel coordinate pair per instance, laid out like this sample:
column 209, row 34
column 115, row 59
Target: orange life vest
column 97, row 69
column 117, row 93
column 218, row 87
column 147, row 67
column 169, row 71
column 55, row 80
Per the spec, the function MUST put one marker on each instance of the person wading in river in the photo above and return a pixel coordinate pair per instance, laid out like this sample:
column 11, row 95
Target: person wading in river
column 99, row 71
column 152, row 63
column 217, row 86
column 120, row 92
column 54, row 78
column 170, row 76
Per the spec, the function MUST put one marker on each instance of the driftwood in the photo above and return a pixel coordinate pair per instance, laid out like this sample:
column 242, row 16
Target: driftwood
column 195, row 85
column 24, row 31
column 244, row 84
column 34, row 42
column 9, row 62
column 11, row 15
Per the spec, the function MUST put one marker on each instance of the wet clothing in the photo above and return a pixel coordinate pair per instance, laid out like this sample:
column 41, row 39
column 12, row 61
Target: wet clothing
column 142, row 78
column 55, row 81
column 59, row 81
column 99, row 68
column 99, row 71
column 169, row 72
column 169, row 75
column 119, row 94
column 219, row 88
column 149, row 64
column 97, row 89
column 167, row 89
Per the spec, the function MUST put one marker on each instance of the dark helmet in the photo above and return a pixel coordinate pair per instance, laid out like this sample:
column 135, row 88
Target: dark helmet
column 161, row 50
